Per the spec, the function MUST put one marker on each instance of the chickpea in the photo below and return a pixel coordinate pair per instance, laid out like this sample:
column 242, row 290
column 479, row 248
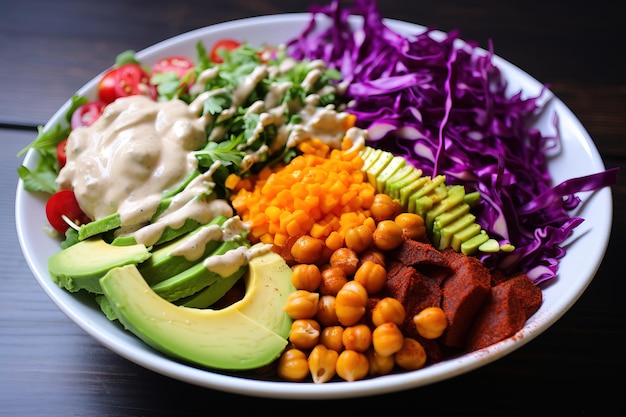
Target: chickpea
column 357, row 337
column 304, row 334
column 373, row 255
column 379, row 365
column 387, row 339
column 293, row 365
column 302, row 304
column 359, row 238
column 351, row 301
column 332, row 337
column 352, row 365
column 388, row 309
column 322, row 364
column 412, row 225
column 333, row 279
column 307, row 249
column 388, row 235
column 325, row 255
column 384, row 208
column 373, row 276
column 346, row 259
column 306, row 277
column 431, row 322
column 370, row 223
column 412, row 356
column 326, row 313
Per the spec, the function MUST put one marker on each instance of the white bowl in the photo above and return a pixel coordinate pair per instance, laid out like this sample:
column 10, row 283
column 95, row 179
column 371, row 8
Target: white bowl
column 585, row 250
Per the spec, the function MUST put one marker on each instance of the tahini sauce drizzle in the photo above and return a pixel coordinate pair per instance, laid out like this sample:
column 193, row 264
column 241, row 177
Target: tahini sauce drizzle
column 125, row 160
column 193, row 246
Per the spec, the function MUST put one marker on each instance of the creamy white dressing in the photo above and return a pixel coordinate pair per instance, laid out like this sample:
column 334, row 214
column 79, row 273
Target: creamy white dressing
column 311, row 78
column 203, row 78
column 323, row 123
column 228, row 263
column 193, row 246
column 134, row 151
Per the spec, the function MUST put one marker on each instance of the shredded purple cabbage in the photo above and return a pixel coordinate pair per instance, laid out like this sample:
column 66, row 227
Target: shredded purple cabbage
column 443, row 106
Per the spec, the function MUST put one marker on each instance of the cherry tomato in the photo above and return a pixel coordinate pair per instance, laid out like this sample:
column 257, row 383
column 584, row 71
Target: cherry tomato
column 64, row 203
column 61, row 155
column 123, row 81
column 86, row 114
column 227, row 44
column 177, row 64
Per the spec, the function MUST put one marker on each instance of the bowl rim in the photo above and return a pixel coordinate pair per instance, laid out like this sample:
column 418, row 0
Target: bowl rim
column 141, row 354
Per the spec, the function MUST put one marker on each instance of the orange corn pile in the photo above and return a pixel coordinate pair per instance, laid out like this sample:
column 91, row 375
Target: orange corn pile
column 322, row 193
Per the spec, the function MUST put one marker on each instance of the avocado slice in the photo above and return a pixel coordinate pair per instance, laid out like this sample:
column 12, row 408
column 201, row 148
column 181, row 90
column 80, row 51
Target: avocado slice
column 472, row 198
column 399, row 175
column 427, row 202
column 80, row 266
column 168, row 234
column 378, row 166
column 464, row 234
column 365, row 152
column 447, row 233
column 396, row 186
column 211, row 294
column 96, row 227
column 408, row 190
column 454, row 197
column 371, row 157
column 428, row 187
column 388, row 172
column 471, row 245
column 165, row 263
column 248, row 334
column 445, row 219
column 199, row 275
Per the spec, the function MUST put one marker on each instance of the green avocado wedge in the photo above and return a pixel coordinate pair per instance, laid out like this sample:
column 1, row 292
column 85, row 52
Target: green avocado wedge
column 206, row 297
column 166, row 262
column 80, row 266
column 247, row 334
column 200, row 276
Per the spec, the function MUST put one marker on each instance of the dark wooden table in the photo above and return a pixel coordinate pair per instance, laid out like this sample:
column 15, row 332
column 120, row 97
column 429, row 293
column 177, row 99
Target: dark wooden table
column 50, row 367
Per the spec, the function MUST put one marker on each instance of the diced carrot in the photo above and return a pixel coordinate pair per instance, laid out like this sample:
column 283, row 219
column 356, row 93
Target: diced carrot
column 231, row 181
column 280, row 239
column 269, row 239
column 321, row 192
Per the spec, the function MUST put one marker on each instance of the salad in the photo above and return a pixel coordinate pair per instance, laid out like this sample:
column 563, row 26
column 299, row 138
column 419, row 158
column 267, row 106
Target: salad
column 428, row 108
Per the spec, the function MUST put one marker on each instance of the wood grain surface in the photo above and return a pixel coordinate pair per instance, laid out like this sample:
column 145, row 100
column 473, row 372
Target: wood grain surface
column 50, row 367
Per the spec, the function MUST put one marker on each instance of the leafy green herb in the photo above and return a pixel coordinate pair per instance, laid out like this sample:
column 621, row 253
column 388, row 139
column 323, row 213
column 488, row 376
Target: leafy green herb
column 202, row 61
column 225, row 152
column 217, row 103
column 43, row 177
column 169, row 86
column 126, row 57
